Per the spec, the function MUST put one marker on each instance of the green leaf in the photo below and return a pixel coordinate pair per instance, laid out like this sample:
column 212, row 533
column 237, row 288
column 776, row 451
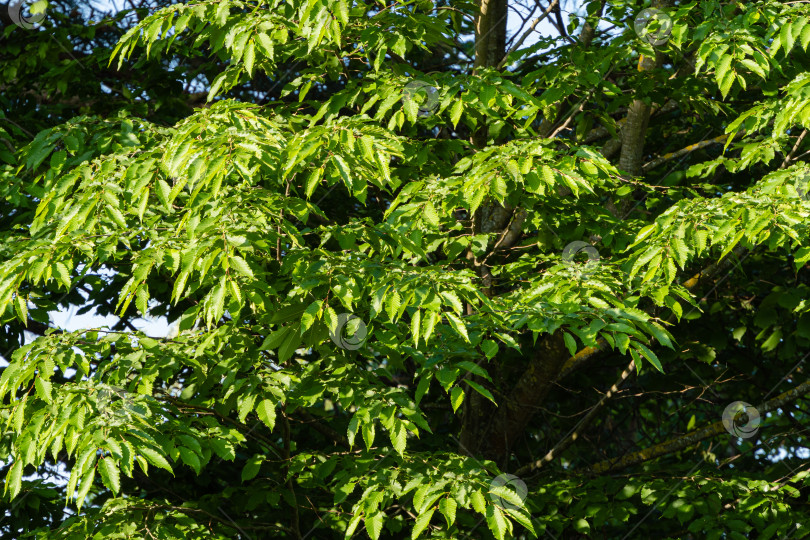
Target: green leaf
column 190, row 458
column 84, row 489
column 570, row 343
column 457, row 325
column 660, row 333
column 43, row 388
column 644, row 233
column 312, row 181
column 447, row 506
column 64, row 274
column 343, row 169
column 456, row 397
column 110, row 475
column 351, row 432
column 399, row 437
column 21, row 308
column 422, row 387
column 453, row 301
column 251, row 468
column 421, row 523
column 479, row 502
column 290, row 344
column 352, row 526
column 374, row 524
column 163, row 190
column 392, row 305
column 369, row 432
column 430, row 214
column 241, row 266
column 496, row 521
column 649, row 355
column 582, row 526
column 490, row 348
column 416, row 326
column 523, row 517
column 455, row 112
column 13, row 483
column 266, row 411
column 274, row 340
column 722, row 67
column 481, row 390
column 250, row 57
column 429, row 324
column 155, row 458
column 222, row 448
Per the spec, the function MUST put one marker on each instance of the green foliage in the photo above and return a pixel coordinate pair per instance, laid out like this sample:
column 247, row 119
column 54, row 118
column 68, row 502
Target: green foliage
column 345, row 307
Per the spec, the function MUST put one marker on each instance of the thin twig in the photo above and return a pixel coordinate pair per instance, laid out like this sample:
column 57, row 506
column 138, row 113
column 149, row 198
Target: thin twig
column 520, row 41
column 576, row 431
column 795, row 149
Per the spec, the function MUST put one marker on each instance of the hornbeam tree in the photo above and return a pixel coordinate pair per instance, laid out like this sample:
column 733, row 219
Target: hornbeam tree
column 430, row 274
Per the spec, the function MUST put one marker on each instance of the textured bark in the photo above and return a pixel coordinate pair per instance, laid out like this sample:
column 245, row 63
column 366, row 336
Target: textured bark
column 528, row 32
column 634, row 131
column 490, row 33
column 589, row 28
column 693, row 437
column 521, row 404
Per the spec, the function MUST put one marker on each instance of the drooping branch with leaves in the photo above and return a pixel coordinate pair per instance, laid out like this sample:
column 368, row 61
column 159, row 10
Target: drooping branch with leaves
column 369, row 224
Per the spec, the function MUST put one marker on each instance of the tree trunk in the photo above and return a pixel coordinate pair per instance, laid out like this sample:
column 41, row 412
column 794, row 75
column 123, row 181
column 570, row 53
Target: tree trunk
column 506, row 424
column 634, row 130
column 490, row 48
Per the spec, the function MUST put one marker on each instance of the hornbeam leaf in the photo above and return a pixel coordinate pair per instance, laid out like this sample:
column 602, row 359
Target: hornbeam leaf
column 155, row 458
column 267, row 413
column 421, row 523
column 110, row 475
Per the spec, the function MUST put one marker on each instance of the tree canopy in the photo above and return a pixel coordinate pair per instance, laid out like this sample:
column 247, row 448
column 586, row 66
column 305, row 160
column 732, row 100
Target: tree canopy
column 431, row 274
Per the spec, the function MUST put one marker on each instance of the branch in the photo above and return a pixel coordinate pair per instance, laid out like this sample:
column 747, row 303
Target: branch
column 560, row 25
column 685, row 441
column 510, row 234
column 588, row 353
column 532, row 389
column 574, row 434
column 324, row 429
column 601, row 132
column 520, row 41
column 290, row 484
column 548, row 366
column 242, row 427
column 795, row 149
column 682, row 152
column 634, row 132
column 188, row 510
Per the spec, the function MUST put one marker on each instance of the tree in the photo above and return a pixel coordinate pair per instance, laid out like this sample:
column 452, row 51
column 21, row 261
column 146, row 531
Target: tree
column 429, row 278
